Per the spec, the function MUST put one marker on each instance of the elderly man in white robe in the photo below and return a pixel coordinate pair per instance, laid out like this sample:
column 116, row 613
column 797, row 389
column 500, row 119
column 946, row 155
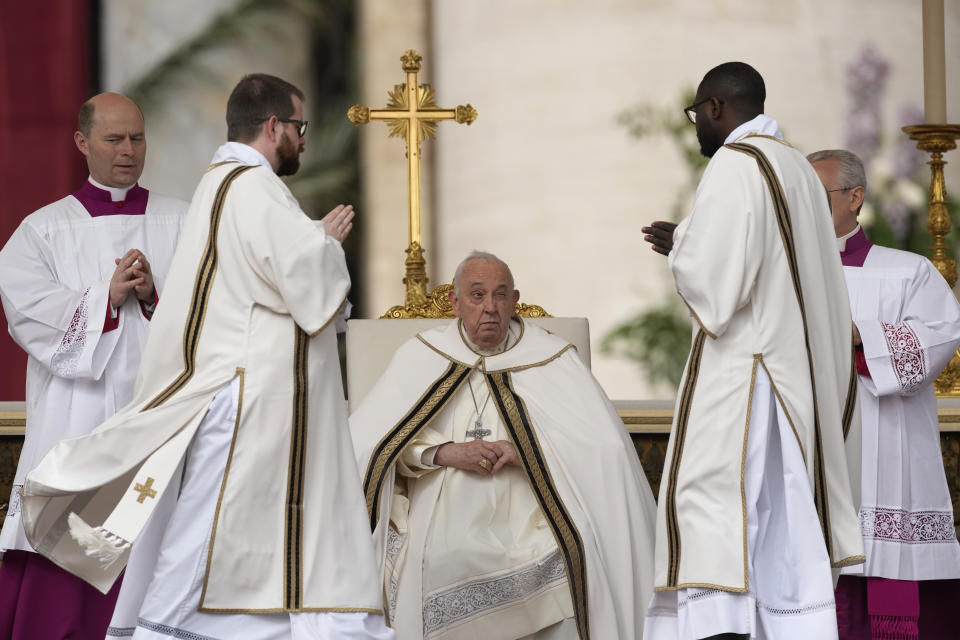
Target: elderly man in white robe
column 232, row 467
column 755, row 505
column 906, row 328
column 79, row 280
column 505, row 496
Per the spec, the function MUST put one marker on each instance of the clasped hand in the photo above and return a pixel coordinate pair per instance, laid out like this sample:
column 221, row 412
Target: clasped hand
column 133, row 273
column 478, row 456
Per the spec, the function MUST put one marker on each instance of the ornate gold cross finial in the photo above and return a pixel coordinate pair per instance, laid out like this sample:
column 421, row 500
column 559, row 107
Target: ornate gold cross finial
column 412, row 113
column 145, row 490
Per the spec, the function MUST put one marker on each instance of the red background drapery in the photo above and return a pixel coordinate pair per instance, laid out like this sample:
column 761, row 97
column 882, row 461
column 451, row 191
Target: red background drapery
column 45, row 57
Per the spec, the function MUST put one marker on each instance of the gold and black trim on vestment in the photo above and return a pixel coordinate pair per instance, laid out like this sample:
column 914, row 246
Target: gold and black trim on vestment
column 782, row 211
column 201, row 293
column 515, row 416
column 389, row 448
column 293, row 531
column 680, row 433
column 851, row 402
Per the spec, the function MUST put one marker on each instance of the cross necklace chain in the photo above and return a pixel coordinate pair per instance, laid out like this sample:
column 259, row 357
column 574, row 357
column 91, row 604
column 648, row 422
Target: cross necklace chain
column 478, row 432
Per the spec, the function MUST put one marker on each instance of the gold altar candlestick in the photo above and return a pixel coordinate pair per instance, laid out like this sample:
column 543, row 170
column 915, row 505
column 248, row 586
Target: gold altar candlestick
column 937, row 139
column 412, row 114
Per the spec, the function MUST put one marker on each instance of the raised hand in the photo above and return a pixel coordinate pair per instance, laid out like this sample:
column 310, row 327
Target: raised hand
column 660, row 236
column 339, row 222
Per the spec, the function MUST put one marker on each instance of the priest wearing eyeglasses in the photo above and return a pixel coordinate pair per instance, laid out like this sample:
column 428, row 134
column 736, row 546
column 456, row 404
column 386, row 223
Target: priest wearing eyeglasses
column 505, row 496
column 756, row 503
column 907, row 327
column 228, row 485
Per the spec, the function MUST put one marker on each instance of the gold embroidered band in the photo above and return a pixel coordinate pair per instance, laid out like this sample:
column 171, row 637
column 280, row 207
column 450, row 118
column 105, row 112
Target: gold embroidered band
column 514, row 414
column 389, row 448
column 201, row 293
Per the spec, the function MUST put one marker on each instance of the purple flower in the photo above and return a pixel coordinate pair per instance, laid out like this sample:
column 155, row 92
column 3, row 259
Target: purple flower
column 907, row 159
column 866, row 77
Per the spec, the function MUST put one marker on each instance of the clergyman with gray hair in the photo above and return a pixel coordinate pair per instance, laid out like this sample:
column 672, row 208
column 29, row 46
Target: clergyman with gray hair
column 906, row 328
column 504, row 494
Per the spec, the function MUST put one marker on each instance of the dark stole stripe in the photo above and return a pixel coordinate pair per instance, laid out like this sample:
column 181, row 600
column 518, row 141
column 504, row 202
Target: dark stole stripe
column 294, row 530
column 525, row 438
column 201, row 293
column 786, row 234
column 683, row 416
column 372, row 486
column 851, row 392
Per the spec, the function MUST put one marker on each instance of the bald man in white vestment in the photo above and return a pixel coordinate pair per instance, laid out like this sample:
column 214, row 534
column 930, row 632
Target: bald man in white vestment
column 755, row 504
column 232, row 469
column 907, row 327
column 506, row 498
column 79, row 280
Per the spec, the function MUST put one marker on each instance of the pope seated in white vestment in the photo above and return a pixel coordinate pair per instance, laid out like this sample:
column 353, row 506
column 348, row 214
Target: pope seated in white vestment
column 232, row 468
column 79, row 280
column 755, row 504
column 506, row 498
column 908, row 328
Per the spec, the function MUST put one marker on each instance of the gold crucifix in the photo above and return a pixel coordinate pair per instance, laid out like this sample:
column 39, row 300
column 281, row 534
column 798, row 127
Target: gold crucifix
column 412, row 113
column 145, row 490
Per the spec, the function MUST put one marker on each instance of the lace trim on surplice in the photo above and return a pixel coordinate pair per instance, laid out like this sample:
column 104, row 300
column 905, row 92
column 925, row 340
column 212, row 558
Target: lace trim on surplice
column 13, row 508
column 444, row 608
column 908, row 527
column 906, row 353
column 67, row 356
column 394, row 545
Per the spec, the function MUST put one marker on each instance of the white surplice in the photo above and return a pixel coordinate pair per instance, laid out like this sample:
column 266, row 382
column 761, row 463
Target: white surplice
column 755, row 264
column 253, row 292
column 909, row 321
column 461, row 555
column 54, row 283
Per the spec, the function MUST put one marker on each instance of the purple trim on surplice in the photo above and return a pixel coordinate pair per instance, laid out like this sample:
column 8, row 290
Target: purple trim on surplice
column 97, row 202
column 858, row 246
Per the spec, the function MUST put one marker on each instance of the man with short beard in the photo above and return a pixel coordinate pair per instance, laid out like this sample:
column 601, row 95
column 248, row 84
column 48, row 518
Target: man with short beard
column 235, row 446
column 755, row 504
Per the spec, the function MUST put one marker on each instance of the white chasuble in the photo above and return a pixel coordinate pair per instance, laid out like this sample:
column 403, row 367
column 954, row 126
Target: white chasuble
column 756, row 263
column 252, row 292
column 568, row 534
column 909, row 321
column 55, row 276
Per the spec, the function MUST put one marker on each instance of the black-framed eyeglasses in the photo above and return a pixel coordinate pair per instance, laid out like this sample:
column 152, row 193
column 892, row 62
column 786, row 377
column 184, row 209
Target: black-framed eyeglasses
column 301, row 124
column 842, row 189
column 691, row 111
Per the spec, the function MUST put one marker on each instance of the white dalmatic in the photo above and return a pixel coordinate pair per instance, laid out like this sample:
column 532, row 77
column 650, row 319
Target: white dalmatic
column 55, row 276
column 909, row 321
